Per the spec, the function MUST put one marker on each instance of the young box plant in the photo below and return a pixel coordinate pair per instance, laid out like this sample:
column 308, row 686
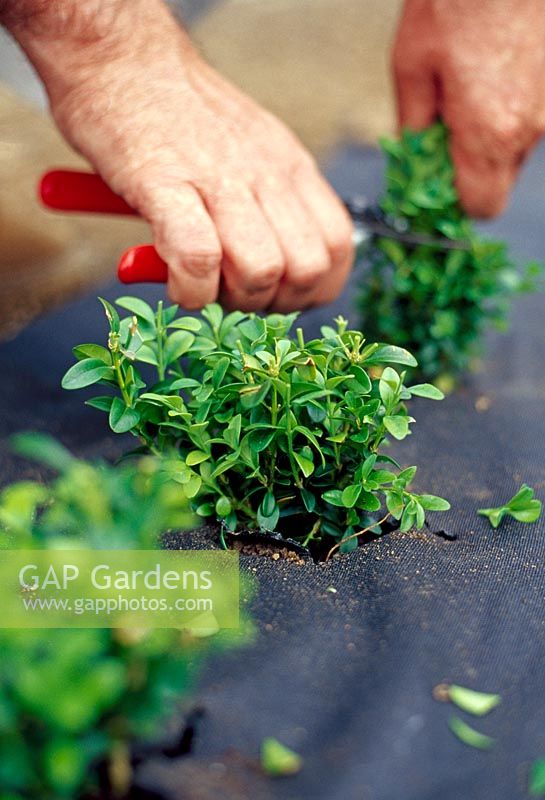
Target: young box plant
column 434, row 302
column 263, row 429
column 124, row 507
column 77, row 706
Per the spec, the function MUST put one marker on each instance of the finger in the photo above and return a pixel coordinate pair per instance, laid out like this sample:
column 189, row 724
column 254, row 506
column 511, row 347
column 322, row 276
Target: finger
column 416, row 91
column 487, row 151
column 185, row 237
column 253, row 262
column 335, row 224
column 483, row 183
column 307, row 260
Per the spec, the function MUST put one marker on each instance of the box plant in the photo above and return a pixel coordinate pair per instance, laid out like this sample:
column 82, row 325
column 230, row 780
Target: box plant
column 123, row 507
column 77, row 706
column 262, row 428
column 435, row 302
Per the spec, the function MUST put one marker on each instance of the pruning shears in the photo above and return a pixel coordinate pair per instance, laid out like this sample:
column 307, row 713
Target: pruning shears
column 72, row 190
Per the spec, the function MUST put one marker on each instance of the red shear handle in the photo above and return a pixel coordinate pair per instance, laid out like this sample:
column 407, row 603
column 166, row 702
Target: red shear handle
column 142, row 264
column 70, row 190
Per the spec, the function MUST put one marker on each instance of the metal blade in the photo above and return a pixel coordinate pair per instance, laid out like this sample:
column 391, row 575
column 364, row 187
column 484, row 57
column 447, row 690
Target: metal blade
column 370, row 223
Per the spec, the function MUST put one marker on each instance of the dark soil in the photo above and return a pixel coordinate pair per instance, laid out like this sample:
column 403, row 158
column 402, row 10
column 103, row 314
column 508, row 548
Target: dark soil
column 267, row 550
column 274, row 546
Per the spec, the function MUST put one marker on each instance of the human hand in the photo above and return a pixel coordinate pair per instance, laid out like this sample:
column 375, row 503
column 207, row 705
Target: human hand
column 237, row 206
column 481, row 67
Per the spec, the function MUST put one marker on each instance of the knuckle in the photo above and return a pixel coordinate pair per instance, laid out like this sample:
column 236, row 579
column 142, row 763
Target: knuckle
column 224, row 189
column 265, row 276
column 306, row 277
column 158, row 187
column 341, row 248
column 200, row 263
column 303, row 165
column 507, row 134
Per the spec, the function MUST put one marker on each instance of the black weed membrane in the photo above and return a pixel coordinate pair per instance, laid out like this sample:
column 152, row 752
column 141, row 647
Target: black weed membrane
column 347, row 652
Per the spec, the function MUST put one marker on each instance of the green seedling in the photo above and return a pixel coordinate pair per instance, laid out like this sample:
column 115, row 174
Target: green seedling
column 523, row 507
column 277, row 760
column 74, row 700
column 123, row 507
column 436, row 303
column 261, row 428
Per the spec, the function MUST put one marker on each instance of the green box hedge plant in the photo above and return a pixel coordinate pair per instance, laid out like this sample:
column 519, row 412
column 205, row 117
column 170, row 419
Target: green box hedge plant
column 436, row 303
column 262, row 428
column 78, row 705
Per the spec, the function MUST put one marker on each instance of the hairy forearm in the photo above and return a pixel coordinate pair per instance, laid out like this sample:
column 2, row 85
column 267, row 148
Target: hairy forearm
column 68, row 41
column 48, row 19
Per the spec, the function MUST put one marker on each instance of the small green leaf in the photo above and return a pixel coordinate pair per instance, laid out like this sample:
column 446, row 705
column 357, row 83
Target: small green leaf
column 531, row 513
column 122, row 418
column 253, row 396
column 147, row 354
column 407, row 475
column 408, row 518
column 219, row 372
column 397, row 425
column 178, row 343
column 368, row 501
column 268, row 504
column 268, row 523
column 334, row 497
column 347, row 544
column 523, row 507
column 213, row 312
column 137, row 307
column 432, row 503
column 427, row 390
column 361, row 382
column 305, row 464
column 309, row 500
column 350, row 495
column 261, row 439
column 196, row 457
column 232, row 432
column 390, row 354
column 111, row 314
column 205, row 510
column 191, row 488
column 495, row 515
column 476, row 703
column 43, row 448
column 187, row 324
column 469, row 735
column 278, row 760
column 223, row 507
column 64, row 763
column 394, row 504
column 103, row 403
column 83, row 351
column 86, row 373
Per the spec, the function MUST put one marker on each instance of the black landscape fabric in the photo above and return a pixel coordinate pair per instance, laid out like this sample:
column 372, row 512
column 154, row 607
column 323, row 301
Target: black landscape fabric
column 347, row 654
